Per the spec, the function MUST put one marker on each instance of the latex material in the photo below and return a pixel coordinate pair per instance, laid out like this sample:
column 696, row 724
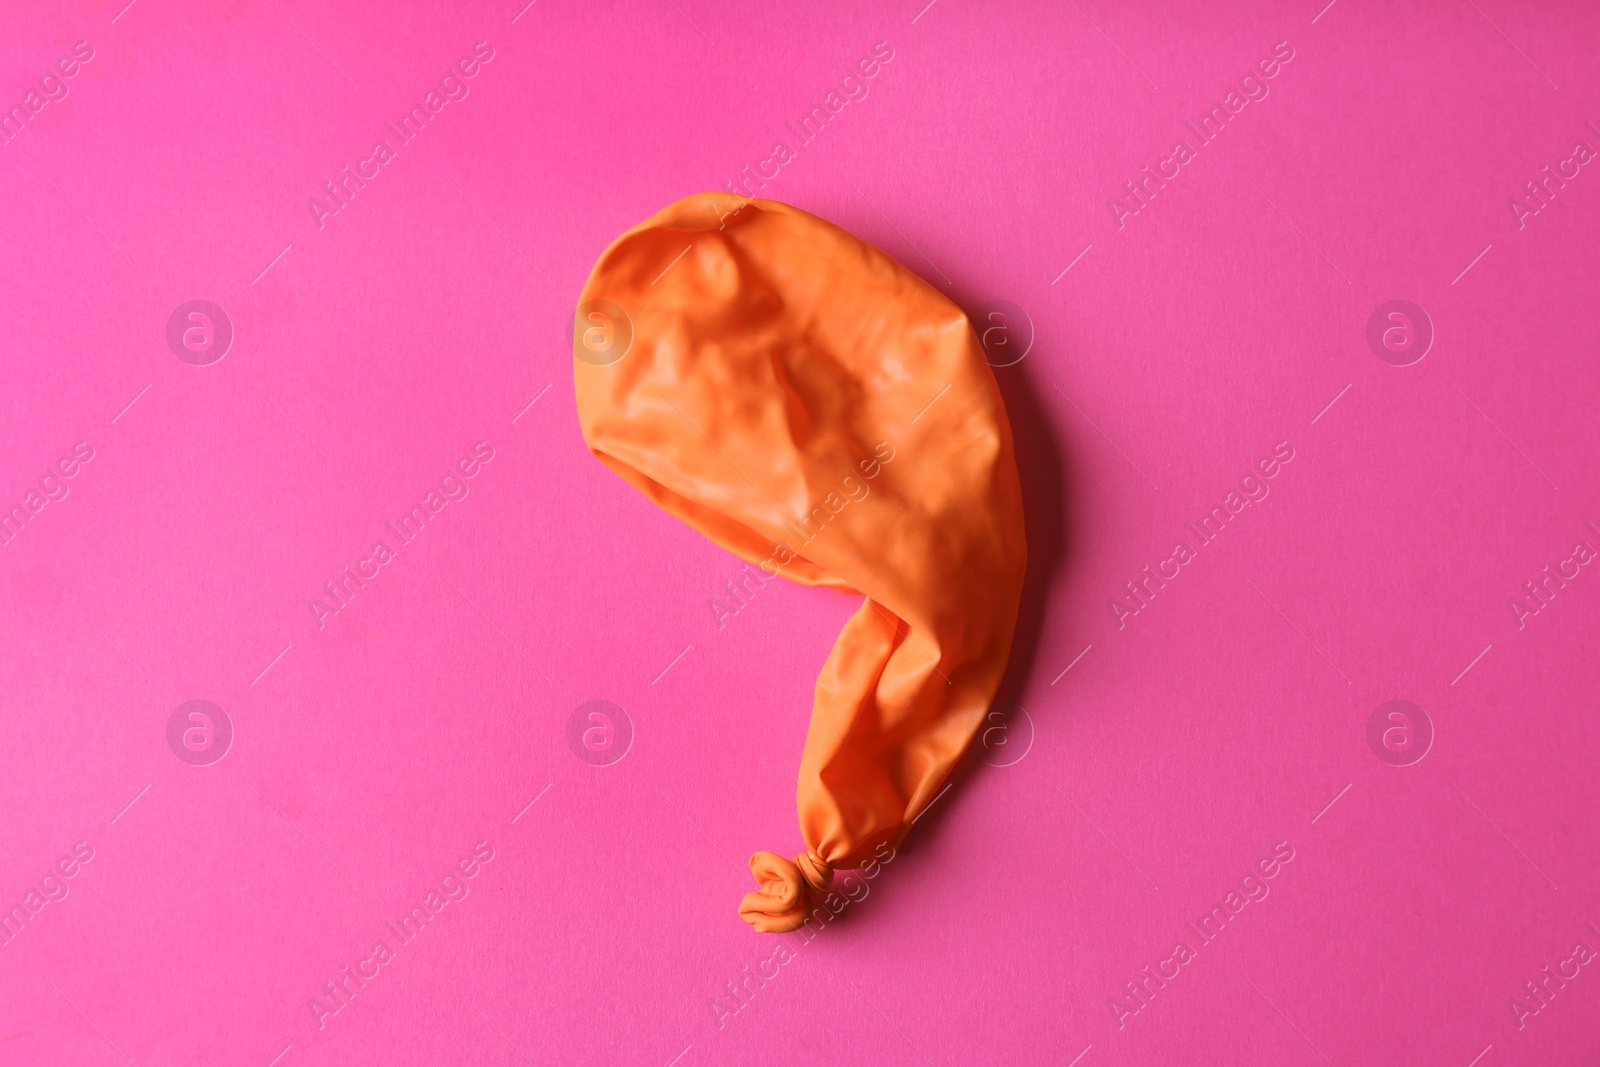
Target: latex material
column 811, row 405
column 788, row 890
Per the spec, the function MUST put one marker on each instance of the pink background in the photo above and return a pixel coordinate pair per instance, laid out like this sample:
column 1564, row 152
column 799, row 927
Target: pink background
column 1183, row 744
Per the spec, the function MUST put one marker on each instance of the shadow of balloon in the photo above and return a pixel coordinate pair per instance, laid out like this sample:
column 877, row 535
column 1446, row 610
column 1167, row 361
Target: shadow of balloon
column 1042, row 467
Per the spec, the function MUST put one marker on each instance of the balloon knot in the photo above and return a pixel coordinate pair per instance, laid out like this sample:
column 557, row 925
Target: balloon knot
column 788, row 891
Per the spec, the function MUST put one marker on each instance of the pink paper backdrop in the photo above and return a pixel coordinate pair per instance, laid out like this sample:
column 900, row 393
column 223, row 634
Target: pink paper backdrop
column 1193, row 320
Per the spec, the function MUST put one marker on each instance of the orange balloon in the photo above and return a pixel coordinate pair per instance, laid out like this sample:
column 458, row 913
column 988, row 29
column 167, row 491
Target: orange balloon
column 814, row 407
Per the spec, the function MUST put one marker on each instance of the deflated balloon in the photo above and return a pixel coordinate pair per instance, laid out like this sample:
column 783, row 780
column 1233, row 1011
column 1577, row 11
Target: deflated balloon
column 814, row 407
